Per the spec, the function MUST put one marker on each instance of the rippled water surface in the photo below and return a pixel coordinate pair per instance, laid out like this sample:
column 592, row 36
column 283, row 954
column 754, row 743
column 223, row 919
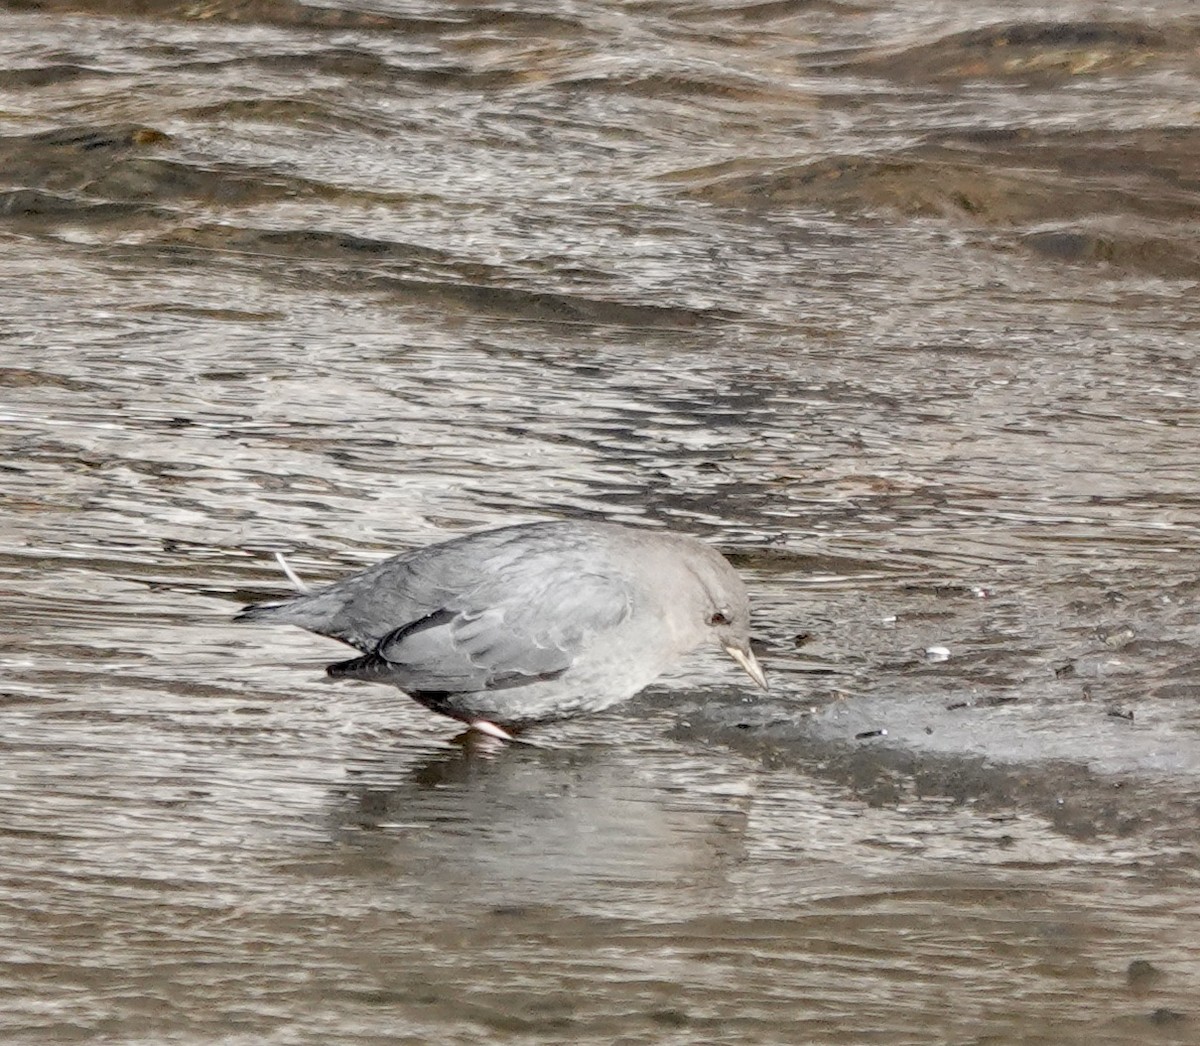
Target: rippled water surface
column 895, row 302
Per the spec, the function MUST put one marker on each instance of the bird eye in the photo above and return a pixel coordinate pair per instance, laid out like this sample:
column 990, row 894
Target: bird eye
column 718, row 619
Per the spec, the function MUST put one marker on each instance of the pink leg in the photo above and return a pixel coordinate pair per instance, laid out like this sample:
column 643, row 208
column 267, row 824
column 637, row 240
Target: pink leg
column 490, row 730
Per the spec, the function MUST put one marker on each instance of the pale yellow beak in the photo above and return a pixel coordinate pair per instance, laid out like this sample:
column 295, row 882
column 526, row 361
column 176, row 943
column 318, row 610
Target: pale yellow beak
column 749, row 662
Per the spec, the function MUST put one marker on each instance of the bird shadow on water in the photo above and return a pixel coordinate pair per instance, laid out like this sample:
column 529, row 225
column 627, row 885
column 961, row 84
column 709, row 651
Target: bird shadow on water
column 516, row 823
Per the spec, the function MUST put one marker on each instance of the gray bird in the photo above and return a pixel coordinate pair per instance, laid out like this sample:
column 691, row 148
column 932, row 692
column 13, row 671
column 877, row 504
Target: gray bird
column 529, row 623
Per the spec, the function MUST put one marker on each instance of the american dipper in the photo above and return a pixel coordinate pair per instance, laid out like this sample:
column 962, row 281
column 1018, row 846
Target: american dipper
column 529, row 623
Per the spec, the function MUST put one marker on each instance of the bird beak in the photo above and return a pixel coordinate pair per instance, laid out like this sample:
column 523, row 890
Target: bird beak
column 749, row 662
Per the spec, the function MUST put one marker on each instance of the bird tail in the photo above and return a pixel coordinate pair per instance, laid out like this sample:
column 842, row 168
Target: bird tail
column 257, row 611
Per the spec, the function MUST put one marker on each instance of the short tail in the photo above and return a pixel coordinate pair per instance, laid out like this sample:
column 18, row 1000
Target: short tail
column 255, row 611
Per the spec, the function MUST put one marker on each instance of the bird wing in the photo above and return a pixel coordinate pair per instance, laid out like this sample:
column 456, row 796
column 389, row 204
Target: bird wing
column 503, row 633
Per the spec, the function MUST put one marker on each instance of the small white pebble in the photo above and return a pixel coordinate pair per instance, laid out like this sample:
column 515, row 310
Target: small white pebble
column 937, row 653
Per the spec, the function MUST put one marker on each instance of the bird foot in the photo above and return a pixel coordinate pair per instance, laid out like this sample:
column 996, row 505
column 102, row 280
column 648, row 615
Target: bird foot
column 490, row 730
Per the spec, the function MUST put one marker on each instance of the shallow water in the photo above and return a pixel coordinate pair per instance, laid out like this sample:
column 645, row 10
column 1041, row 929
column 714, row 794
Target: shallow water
column 895, row 303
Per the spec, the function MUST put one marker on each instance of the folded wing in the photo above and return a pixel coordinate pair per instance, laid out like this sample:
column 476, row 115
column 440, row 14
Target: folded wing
column 498, row 635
